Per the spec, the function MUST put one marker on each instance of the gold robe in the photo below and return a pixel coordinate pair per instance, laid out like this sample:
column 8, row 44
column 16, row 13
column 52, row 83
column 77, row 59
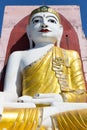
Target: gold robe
column 70, row 120
column 31, row 119
column 58, row 71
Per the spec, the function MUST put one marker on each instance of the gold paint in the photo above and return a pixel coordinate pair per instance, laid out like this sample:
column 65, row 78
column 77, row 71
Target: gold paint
column 21, row 119
column 28, row 119
column 58, row 71
column 71, row 120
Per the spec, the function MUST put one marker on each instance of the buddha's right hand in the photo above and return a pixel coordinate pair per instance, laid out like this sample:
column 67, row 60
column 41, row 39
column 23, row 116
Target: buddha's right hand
column 24, row 99
column 29, row 99
column 48, row 99
column 55, row 96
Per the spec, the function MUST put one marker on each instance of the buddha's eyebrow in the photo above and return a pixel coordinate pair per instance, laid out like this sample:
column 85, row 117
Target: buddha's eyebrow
column 46, row 17
column 52, row 17
column 36, row 17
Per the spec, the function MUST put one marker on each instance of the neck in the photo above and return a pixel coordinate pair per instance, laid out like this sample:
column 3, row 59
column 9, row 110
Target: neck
column 39, row 45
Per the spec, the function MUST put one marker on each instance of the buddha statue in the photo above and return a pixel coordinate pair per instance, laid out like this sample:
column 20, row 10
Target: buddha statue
column 45, row 74
column 45, row 68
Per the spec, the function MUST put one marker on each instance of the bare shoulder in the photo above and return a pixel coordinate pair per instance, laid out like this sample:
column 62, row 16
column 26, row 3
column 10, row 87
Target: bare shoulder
column 14, row 58
column 16, row 54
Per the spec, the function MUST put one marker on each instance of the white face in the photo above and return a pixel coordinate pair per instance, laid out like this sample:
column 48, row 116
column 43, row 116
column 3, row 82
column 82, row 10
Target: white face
column 44, row 27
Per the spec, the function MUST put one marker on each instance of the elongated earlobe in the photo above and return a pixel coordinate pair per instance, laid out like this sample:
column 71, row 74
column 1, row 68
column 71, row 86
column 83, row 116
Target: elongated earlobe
column 29, row 37
column 60, row 34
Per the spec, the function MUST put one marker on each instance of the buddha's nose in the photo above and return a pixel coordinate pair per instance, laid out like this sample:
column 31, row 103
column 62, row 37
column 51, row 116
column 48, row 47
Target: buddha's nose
column 44, row 25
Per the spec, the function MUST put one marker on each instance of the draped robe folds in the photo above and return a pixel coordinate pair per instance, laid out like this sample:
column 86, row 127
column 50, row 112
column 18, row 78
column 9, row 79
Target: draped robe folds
column 31, row 119
column 58, row 71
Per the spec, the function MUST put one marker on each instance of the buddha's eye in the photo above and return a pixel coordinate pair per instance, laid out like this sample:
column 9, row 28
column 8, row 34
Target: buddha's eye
column 36, row 21
column 52, row 21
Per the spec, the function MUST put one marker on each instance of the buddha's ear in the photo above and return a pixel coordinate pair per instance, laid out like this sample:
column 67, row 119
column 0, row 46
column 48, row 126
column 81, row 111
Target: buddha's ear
column 60, row 34
column 61, row 28
column 28, row 31
column 28, row 34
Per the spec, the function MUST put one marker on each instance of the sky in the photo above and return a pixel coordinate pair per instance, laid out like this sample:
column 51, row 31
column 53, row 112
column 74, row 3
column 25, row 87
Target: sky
column 81, row 3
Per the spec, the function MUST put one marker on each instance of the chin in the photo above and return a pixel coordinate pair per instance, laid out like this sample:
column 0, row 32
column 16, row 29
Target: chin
column 44, row 39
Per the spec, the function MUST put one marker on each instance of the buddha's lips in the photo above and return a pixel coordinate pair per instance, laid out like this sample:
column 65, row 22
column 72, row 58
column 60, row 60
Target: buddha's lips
column 44, row 30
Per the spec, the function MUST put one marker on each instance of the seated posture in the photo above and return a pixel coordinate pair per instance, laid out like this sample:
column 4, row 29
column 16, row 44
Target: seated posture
column 44, row 74
column 45, row 68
